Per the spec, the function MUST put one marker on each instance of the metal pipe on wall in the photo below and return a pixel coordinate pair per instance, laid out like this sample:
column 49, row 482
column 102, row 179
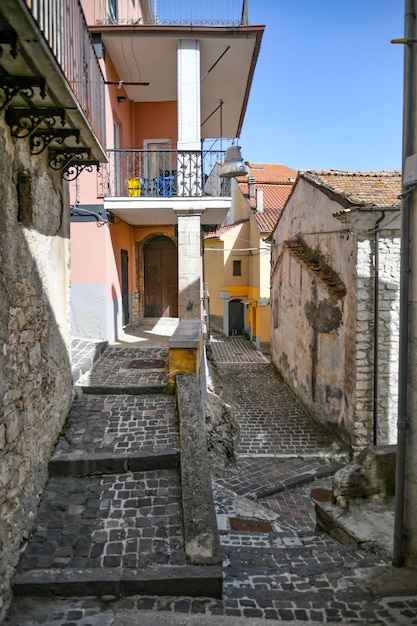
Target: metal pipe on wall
column 409, row 21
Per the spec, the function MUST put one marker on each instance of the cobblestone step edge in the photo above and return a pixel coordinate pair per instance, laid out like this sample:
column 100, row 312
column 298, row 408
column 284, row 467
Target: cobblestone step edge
column 294, row 481
column 117, row 390
column 187, row 580
column 69, row 466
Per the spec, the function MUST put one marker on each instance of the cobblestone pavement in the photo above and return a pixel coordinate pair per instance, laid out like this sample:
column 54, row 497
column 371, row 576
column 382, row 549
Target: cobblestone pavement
column 128, row 369
column 277, row 566
column 92, row 522
column 113, row 425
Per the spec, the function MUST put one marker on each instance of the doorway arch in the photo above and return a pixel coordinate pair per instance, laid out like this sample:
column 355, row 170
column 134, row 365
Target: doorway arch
column 236, row 317
column 160, row 263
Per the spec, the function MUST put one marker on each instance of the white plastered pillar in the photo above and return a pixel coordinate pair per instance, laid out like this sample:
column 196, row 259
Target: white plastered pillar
column 188, row 177
column 188, row 93
column 189, row 262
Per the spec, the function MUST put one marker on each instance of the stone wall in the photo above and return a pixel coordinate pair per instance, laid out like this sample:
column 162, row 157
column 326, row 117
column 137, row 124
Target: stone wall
column 387, row 327
column 35, row 382
column 322, row 342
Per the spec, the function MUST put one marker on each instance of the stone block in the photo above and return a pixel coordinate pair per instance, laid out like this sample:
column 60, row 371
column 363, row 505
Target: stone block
column 371, row 475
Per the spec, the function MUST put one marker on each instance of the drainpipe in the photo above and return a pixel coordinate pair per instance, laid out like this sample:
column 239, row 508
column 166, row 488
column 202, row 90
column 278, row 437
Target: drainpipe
column 404, row 290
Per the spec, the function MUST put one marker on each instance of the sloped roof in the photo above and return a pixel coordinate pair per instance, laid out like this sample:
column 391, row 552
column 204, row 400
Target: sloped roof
column 215, row 234
column 362, row 189
column 276, row 182
column 271, row 173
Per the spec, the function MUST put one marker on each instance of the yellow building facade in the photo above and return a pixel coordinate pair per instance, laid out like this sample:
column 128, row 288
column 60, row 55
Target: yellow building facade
column 237, row 255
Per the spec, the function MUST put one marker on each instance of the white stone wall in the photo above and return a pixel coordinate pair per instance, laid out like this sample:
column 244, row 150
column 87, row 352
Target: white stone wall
column 388, row 329
column 387, row 326
column 35, row 381
column 363, row 427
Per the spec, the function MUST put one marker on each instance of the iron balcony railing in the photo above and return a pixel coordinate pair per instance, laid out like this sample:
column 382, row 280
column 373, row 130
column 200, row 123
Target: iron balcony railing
column 163, row 173
column 64, row 29
column 173, row 12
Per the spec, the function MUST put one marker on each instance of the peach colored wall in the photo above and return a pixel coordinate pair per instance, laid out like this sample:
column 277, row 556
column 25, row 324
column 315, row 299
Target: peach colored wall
column 141, row 232
column 156, row 120
column 122, row 236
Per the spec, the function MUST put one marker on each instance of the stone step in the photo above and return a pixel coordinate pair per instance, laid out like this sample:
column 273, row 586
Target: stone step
column 182, row 580
column 118, row 433
column 293, row 482
column 127, row 371
column 132, row 390
column 114, row 534
column 69, row 465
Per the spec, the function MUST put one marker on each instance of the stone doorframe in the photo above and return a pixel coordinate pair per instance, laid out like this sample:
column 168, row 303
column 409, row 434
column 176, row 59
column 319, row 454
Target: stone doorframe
column 225, row 296
column 138, row 297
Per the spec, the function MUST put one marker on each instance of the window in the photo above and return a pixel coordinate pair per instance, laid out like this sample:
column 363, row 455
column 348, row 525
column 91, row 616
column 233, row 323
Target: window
column 237, row 268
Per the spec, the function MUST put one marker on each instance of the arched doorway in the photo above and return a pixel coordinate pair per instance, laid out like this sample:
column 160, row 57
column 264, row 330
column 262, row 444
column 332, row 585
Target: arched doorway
column 236, row 317
column 160, row 277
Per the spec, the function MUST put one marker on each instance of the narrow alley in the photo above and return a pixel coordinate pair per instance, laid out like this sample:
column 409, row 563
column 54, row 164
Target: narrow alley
column 110, row 522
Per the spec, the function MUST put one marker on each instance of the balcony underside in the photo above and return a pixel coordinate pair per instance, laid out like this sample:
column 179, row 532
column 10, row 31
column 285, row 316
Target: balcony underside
column 227, row 62
column 44, row 110
column 164, row 211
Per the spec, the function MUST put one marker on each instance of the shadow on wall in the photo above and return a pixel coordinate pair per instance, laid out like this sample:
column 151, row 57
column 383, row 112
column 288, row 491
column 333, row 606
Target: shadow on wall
column 36, row 384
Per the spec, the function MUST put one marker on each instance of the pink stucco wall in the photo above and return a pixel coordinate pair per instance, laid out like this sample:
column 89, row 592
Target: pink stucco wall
column 92, row 257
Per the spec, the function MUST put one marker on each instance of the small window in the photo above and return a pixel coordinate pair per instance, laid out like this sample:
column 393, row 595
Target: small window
column 237, row 268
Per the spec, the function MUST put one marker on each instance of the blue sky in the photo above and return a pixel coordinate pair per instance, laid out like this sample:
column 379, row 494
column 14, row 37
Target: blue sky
column 328, row 85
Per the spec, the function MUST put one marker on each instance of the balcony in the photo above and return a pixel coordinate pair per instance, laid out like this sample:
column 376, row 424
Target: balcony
column 51, row 79
column 171, row 13
column 163, row 173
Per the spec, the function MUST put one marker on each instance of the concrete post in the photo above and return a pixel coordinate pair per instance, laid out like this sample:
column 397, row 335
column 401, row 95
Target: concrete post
column 189, row 263
column 405, row 534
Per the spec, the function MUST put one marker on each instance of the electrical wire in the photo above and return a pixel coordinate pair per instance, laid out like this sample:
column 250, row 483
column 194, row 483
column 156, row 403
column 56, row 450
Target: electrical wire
column 97, row 215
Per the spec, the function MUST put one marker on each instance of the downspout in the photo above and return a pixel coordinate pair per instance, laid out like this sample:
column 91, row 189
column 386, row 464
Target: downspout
column 404, row 290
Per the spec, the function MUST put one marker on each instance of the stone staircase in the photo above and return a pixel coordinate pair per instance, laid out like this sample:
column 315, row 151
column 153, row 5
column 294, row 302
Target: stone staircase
column 113, row 515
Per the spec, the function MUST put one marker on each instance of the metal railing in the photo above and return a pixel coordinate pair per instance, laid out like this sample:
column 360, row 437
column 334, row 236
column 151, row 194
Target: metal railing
column 163, row 173
column 173, row 13
column 64, row 29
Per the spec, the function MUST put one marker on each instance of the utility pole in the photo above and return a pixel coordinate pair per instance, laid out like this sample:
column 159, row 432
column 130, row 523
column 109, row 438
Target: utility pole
column 405, row 530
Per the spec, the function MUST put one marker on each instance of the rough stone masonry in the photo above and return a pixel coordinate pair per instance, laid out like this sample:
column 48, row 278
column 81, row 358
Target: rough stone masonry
column 35, row 381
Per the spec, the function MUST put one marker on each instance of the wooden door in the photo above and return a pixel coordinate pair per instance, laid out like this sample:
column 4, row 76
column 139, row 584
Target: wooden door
column 236, row 316
column 161, row 278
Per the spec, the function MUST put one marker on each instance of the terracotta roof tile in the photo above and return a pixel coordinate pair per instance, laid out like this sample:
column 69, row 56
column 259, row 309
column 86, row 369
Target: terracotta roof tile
column 270, row 173
column 215, row 234
column 359, row 188
column 276, row 181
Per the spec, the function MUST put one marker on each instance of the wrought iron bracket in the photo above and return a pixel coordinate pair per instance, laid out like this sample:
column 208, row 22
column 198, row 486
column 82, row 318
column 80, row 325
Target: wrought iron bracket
column 40, row 139
column 9, row 37
column 23, row 121
column 62, row 158
column 74, row 169
column 10, row 86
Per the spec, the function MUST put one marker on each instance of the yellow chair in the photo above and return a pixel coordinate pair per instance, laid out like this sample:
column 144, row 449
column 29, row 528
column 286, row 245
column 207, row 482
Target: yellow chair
column 133, row 186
